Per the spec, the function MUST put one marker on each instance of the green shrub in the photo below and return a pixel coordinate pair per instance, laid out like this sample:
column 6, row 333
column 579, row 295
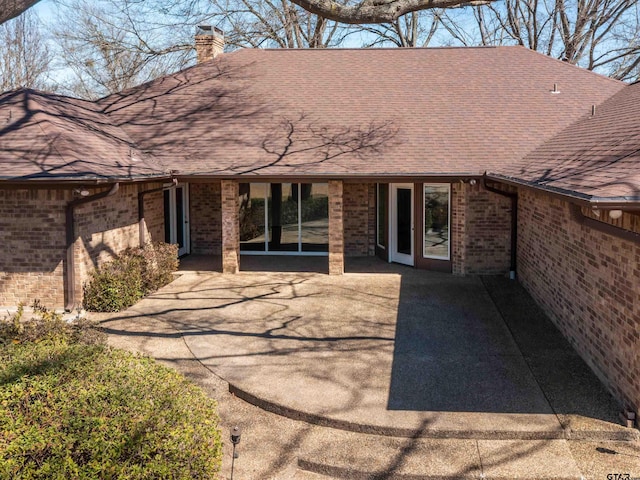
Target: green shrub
column 70, row 409
column 133, row 274
column 45, row 324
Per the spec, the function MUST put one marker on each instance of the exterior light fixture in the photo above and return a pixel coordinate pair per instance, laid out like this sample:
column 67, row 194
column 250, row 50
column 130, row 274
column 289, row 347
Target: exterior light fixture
column 615, row 214
column 236, row 433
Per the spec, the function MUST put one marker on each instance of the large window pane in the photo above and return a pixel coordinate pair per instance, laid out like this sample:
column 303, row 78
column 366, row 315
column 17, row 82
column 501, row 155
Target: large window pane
column 314, row 215
column 283, row 218
column 252, row 216
column 436, row 221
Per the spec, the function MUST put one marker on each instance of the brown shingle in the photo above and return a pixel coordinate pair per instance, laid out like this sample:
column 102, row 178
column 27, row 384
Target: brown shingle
column 357, row 112
column 51, row 137
column 597, row 156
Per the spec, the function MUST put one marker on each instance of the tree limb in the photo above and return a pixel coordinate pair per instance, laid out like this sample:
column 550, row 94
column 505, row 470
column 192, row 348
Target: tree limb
column 12, row 8
column 378, row 11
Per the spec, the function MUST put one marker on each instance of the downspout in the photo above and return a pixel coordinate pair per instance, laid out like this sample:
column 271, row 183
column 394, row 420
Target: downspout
column 70, row 240
column 141, row 195
column 514, row 225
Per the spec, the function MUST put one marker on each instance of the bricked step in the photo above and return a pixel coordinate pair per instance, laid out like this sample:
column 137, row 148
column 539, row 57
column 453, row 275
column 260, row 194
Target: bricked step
column 341, row 454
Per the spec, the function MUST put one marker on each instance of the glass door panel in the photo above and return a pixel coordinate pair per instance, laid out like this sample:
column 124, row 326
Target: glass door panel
column 314, row 215
column 436, row 221
column 283, row 218
column 404, row 201
column 252, row 201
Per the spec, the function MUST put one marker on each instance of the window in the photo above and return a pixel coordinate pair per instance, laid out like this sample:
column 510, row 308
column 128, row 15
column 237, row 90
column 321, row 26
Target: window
column 436, row 221
column 284, row 218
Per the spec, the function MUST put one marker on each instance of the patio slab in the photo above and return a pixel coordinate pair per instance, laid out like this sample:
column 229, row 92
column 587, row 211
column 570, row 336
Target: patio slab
column 277, row 447
column 399, row 352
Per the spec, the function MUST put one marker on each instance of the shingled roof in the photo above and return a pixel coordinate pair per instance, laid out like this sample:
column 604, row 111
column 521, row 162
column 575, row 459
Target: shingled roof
column 52, row 137
column 597, row 157
column 350, row 113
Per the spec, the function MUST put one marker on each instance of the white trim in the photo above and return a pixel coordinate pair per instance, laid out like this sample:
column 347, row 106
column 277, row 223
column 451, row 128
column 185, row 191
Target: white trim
column 266, row 251
column 284, row 253
column 394, row 255
column 378, row 244
column 186, row 249
column 299, row 216
column 173, row 217
column 267, row 237
column 437, row 257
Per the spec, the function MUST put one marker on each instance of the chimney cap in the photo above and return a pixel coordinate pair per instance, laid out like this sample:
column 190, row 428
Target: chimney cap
column 209, row 30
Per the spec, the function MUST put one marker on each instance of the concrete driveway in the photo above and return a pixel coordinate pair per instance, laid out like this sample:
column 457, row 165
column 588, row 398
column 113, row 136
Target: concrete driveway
column 388, row 350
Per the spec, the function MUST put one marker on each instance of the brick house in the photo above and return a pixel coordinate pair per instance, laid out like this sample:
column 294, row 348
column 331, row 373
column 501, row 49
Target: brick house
column 461, row 160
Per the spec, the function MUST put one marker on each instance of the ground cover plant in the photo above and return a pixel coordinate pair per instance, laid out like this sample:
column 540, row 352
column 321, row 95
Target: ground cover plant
column 130, row 276
column 71, row 407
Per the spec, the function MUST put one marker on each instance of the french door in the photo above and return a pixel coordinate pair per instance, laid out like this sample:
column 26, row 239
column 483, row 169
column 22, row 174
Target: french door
column 401, row 226
column 176, row 217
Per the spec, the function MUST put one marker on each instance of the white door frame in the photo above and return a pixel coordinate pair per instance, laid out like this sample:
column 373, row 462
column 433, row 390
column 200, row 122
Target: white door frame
column 173, row 217
column 394, row 255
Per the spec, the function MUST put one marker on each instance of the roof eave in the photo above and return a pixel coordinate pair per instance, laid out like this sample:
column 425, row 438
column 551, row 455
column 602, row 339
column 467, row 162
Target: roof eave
column 604, row 203
column 82, row 179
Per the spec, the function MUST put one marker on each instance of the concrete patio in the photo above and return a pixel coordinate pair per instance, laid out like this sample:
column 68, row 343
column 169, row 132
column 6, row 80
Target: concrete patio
column 383, row 350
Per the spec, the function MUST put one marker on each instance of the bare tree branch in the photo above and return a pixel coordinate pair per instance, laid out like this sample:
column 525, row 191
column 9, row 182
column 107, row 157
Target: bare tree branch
column 377, row 11
column 24, row 56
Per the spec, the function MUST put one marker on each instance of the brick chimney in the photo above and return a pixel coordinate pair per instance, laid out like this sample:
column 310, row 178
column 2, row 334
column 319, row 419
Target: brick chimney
column 209, row 42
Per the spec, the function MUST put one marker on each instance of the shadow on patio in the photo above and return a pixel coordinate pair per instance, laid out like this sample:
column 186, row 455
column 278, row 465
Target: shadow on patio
column 401, row 351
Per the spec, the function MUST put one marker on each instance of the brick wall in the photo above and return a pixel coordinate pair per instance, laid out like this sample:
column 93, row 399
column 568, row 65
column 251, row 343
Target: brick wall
column 32, row 235
column 481, row 230
column 154, row 213
column 588, row 282
column 206, row 218
column 359, row 219
column 32, row 232
column 106, row 227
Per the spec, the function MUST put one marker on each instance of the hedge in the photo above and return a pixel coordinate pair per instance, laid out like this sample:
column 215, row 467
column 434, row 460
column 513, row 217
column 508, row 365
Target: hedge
column 71, row 407
column 132, row 275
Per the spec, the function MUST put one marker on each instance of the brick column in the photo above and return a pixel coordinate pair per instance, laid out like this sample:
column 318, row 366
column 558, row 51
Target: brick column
column 230, row 227
column 336, row 228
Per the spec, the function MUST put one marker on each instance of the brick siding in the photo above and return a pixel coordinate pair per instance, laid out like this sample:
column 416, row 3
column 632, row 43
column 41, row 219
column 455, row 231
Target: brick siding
column 481, row 230
column 359, row 219
column 154, row 213
column 588, row 282
column 32, row 233
column 205, row 218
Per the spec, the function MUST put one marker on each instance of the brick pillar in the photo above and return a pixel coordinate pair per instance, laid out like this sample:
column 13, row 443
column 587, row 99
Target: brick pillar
column 336, row 228
column 230, row 227
column 458, row 223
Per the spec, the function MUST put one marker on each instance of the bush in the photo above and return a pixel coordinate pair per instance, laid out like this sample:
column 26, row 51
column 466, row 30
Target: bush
column 76, row 409
column 47, row 324
column 133, row 274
